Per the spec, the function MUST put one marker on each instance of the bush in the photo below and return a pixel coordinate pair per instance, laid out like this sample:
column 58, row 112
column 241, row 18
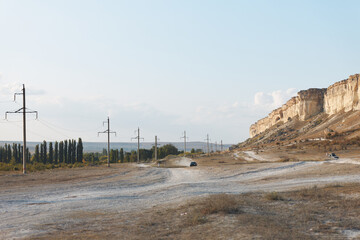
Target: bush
column 224, row 203
column 273, row 196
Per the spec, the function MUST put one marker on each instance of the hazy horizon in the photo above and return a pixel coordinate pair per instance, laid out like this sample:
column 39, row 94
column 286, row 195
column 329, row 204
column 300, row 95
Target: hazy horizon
column 129, row 146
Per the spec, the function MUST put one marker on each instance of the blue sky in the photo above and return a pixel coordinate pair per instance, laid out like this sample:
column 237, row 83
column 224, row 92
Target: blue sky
column 207, row 67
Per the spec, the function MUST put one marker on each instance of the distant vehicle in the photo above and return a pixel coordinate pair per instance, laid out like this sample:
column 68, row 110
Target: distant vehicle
column 333, row 156
column 193, row 164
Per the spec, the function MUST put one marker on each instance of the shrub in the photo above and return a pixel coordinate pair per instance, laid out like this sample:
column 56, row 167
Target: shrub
column 224, row 203
column 273, row 196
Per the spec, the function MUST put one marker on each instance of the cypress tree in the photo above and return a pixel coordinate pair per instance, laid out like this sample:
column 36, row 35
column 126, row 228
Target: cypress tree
column 73, row 151
column 42, row 159
column 28, row 155
column 51, row 153
column 8, row 153
column 79, row 151
column 112, row 155
column 61, row 152
column 45, row 152
column 117, row 155
column 15, row 153
column 20, row 150
column 69, row 152
column 65, row 151
column 37, row 154
column 122, row 155
column 1, row 154
column 56, row 154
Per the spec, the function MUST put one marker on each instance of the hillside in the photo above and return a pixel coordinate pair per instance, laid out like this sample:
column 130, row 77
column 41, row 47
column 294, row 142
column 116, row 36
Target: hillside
column 326, row 114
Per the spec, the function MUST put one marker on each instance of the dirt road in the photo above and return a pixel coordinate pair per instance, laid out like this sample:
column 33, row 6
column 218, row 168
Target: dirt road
column 44, row 203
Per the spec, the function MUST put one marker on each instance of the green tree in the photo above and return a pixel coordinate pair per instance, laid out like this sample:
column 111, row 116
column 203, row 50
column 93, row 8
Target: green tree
column 79, row 151
column 20, row 153
column 51, row 153
column 8, row 153
column 44, row 160
column 42, row 152
column 133, row 156
column 73, row 151
column 28, row 155
column 37, row 154
column 104, row 152
column 168, row 149
column 56, row 153
column 69, row 151
column 112, row 156
column 15, row 152
column 65, row 151
column 61, row 152
column 127, row 157
column 121, row 155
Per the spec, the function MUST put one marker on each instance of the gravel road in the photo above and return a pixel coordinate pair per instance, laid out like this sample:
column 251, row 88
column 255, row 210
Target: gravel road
column 28, row 210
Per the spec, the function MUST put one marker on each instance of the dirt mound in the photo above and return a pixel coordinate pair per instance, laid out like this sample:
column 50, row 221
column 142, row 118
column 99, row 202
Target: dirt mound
column 177, row 162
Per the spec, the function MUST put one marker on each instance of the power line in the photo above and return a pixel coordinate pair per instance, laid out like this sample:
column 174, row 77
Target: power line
column 66, row 129
column 46, row 125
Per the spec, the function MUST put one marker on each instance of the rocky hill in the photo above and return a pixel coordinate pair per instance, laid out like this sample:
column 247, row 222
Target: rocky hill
column 313, row 114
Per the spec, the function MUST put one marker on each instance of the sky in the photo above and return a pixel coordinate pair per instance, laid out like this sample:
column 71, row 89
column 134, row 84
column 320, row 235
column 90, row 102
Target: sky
column 204, row 67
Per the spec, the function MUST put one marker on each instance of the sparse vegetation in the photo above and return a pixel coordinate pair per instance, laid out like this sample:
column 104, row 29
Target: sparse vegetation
column 309, row 213
column 273, row 196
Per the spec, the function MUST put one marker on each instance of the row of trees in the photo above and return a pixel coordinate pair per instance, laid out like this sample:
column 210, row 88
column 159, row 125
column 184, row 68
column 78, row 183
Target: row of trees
column 13, row 153
column 68, row 151
column 145, row 154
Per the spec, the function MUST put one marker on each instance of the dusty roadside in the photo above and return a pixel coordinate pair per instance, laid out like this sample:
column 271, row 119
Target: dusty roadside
column 126, row 199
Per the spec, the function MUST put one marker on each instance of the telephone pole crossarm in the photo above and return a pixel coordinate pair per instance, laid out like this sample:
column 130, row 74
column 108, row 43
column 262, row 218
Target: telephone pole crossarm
column 21, row 111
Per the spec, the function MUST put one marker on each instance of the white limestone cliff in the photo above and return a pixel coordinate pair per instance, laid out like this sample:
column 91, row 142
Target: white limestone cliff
column 341, row 96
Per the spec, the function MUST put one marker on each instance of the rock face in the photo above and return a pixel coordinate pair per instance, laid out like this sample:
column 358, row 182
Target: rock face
column 341, row 96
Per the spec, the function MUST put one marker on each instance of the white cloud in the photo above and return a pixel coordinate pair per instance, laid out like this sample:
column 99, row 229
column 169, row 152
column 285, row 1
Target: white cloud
column 275, row 99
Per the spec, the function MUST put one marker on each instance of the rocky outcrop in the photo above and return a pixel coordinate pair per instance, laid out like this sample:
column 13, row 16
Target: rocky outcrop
column 341, row 96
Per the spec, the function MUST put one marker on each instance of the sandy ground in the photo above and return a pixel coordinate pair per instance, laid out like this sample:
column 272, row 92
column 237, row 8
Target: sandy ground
column 44, row 203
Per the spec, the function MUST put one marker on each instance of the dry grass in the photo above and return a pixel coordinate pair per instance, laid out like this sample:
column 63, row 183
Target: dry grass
column 273, row 196
column 309, row 213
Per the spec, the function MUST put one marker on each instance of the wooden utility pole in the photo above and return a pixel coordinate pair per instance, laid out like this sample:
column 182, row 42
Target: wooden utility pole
column 108, row 133
column 24, row 112
column 221, row 146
